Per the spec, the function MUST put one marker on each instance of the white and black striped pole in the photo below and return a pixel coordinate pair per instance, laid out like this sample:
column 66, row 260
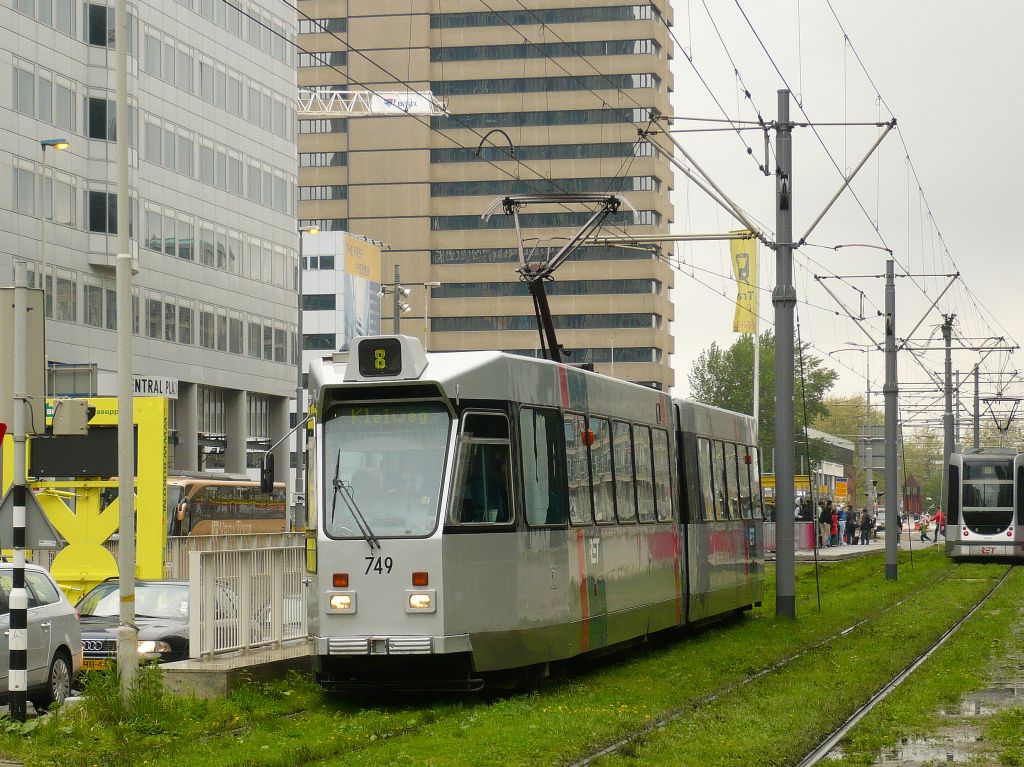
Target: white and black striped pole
column 17, row 677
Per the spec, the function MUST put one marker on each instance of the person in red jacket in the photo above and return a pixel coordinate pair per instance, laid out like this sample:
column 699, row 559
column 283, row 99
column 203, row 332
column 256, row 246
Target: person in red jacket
column 940, row 523
column 834, row 529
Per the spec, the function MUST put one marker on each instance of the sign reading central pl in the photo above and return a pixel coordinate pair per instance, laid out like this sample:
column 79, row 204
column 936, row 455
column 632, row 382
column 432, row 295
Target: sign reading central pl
column 154, row 386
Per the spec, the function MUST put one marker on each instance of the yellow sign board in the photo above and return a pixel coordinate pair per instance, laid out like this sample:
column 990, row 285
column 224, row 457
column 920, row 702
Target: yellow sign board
column 362, row 259
column 842, row 489
column 800, row 482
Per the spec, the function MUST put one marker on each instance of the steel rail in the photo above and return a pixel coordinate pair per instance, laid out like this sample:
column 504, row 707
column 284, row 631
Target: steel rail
column 830, row 742
column 711, row 697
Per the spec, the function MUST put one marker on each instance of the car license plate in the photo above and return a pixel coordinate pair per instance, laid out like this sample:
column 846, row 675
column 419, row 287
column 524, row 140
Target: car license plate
column 95, row 664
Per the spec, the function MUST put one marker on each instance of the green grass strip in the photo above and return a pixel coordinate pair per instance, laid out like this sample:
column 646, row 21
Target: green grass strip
column 291, row 722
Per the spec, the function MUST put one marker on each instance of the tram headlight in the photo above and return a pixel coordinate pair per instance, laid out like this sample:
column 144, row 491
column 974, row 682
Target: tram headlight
column 344, row 602
column 420, row 601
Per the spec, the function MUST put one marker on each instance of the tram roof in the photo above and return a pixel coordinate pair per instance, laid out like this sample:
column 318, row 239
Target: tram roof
column 501, row 376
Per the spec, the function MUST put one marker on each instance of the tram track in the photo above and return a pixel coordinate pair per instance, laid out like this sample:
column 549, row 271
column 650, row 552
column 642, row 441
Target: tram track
column 714, row 695
column 832, row 739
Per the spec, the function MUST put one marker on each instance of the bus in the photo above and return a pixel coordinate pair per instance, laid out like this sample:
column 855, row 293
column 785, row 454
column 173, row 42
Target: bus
column 216, row 503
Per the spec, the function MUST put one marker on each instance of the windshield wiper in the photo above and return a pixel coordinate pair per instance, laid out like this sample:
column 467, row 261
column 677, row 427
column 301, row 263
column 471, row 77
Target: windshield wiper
column 346, row 496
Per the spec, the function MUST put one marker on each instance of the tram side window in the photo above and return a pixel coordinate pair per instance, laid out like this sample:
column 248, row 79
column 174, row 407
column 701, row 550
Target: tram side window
column 578, row 469
column 601, row 469
column 756, row 499
column 625, row 500
column 704, row 470
column 741, row 488
column 718, row 471
column 732, row 480
column 484, row 471
column 644, row 473
column 662, row 481
column 543, row 462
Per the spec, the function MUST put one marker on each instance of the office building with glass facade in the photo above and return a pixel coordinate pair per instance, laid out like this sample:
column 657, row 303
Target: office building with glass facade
column 213, row 163
column 567, row 85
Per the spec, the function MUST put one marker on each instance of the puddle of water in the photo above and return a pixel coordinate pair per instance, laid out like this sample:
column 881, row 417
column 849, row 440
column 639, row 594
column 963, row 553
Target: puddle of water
column 986, row 702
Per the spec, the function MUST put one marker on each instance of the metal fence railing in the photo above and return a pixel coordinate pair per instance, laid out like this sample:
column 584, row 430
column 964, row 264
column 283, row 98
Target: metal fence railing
column 245, row 599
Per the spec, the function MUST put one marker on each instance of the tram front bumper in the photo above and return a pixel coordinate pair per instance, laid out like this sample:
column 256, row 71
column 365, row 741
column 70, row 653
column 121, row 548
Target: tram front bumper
column 393, row 645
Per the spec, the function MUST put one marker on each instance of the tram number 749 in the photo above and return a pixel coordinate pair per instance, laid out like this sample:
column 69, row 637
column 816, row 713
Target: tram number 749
column 379, row 565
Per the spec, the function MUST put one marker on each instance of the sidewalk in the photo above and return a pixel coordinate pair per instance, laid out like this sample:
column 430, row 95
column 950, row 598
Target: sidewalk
column 847, row 551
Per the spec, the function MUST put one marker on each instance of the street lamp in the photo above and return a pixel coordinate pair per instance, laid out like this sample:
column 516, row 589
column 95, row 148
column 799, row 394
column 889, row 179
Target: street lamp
column 300, row 410
column 60, row 144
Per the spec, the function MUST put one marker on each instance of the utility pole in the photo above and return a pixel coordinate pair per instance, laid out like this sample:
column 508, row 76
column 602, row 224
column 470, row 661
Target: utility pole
column 891, row 392
column 784, row 301
column 947, row 414
column 397, row 303
column 17, row 682
column 127, row 631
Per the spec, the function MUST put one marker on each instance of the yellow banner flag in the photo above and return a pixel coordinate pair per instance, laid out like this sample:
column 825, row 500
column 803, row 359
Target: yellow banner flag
column 744, row 268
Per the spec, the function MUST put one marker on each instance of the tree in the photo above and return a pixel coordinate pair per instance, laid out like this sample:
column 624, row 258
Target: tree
column 724, row 378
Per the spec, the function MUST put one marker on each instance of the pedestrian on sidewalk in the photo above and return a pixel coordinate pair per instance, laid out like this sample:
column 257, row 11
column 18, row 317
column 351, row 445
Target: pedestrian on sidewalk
column 925, row 522
column 834, row 528
column 940, row 524
column 824, row 525
column 851, row 526
column 865, row 527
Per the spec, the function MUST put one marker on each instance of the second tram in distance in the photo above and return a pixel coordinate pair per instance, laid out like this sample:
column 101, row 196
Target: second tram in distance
column 985, row 506
column 475, row 517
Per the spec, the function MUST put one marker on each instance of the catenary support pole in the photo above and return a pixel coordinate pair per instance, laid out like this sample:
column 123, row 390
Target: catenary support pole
column 977, row 408
column 869, row 458
column 947, row 413
column 298, row 505
column 127, row 631
column 784, row 301
column 891, row 391
column 17, row 680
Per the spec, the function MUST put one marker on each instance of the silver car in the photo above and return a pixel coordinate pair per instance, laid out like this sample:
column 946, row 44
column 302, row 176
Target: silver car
column 54, row 637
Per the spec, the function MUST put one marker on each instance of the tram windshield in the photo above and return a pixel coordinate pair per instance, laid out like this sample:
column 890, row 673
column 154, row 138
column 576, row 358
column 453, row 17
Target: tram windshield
column 388, row 460
column 988, row 495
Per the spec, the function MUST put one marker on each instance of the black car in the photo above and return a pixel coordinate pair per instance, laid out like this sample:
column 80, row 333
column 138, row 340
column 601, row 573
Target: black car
column 161, row 613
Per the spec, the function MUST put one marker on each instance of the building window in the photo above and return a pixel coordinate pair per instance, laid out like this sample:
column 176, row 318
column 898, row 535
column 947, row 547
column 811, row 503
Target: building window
column 323, row 125
column 539, row 117
column 322, row 159
column 541, row 16
column 102, row 119
column 185, row 324
column 24, row 85
column 541, row 220
column 66, row 298
column 93, row 302
column 154, row 318
column 529, row 322
column 319, row 341
column 24, row 191
column 326, row 224
column 235, row 335
column 502, row 187
column 319, row 26
column 99, row 25
column 65, row 99
column 622, row 149
column 207, row 329
column 546, row 84
column 170, row 321
column 324, row 192
column 323, row 59
column 320, row 302
column 583, row 48
column 102, row 208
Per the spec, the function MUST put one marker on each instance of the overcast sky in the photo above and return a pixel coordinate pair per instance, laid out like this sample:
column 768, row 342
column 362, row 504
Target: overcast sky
column 949, row 71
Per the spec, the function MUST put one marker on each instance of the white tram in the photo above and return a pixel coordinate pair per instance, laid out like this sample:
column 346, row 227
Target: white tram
column 477, row 516
column 985, row 514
